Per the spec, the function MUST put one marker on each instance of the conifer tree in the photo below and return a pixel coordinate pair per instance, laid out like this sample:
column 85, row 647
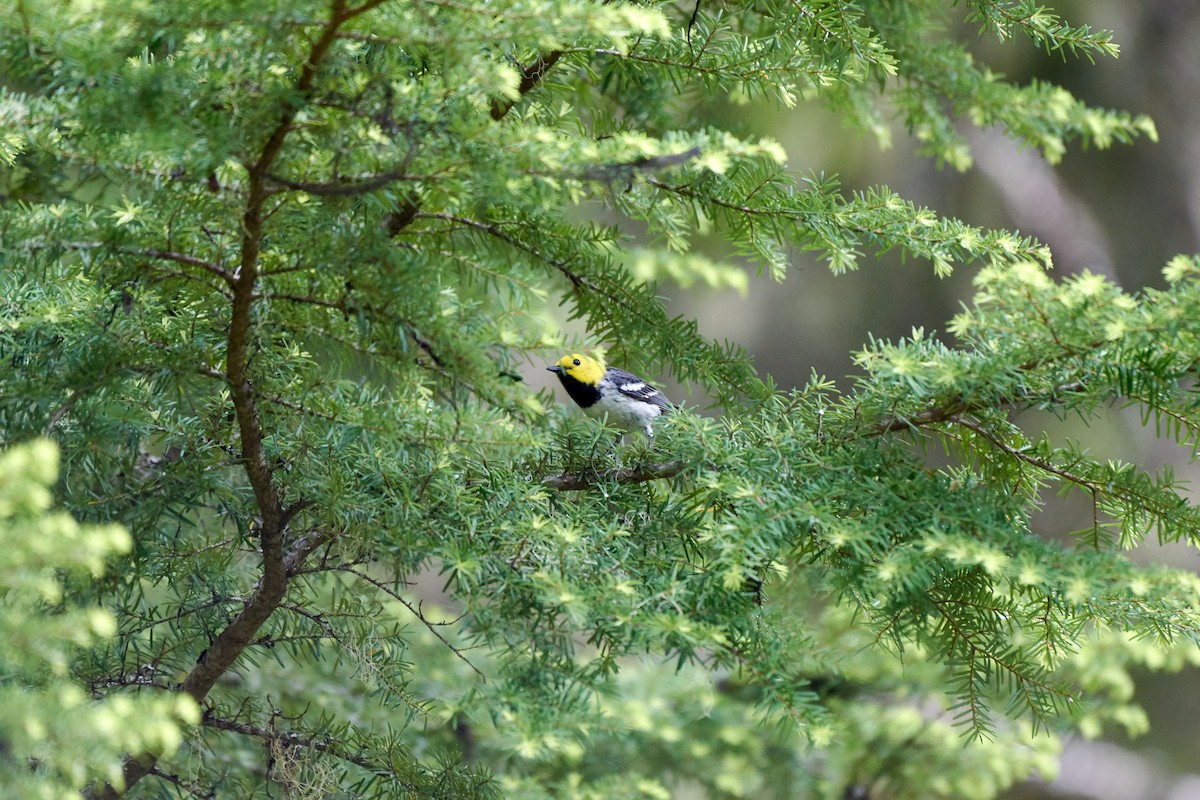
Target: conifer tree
column 271, row 273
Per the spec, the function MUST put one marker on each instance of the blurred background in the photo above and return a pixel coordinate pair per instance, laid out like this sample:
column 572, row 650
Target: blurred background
column 1122, row 212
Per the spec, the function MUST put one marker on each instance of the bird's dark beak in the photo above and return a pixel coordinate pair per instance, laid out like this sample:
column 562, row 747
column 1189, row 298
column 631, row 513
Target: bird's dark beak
column 558, row 370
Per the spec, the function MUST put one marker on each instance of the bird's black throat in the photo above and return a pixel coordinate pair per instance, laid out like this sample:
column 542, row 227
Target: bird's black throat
column 580, row 392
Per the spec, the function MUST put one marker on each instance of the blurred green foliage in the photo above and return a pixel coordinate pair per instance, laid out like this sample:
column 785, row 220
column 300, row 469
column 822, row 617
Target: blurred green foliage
column 54, row 739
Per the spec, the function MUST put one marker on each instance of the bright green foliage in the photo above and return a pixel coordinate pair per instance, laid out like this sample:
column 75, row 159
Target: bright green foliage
column 55, row 740
column 269, row 273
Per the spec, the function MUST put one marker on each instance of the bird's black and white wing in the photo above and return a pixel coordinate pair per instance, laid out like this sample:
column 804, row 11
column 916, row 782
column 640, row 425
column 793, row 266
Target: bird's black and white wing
column 632, row 386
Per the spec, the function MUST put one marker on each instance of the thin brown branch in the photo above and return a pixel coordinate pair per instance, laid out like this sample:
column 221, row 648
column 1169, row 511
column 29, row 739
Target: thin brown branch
column 793, row 215
column 63, row 410
column 570, row 481
column 948, row 412
column 750, row 69
column 1096, row 487
column 184, row 786
column 1022, row 679
column 217, row 600
column 1020, row 455
column 612, row 172
column 306, row 300
column 191, row 261
column 496, row 231
column 163, row 255
column 350, row 188
column 187, row 276
column 292, row 739
column 416, row 612
column 930, row 416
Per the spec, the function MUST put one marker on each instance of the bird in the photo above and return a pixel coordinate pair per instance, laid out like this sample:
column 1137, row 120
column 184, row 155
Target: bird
column 629, row 402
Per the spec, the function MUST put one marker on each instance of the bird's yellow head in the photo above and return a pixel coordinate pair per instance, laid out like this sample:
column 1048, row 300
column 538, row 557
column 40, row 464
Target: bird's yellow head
column 582, row 368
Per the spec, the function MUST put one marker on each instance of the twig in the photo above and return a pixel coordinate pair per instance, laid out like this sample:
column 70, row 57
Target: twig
column 190, row 788
column 949, row 412
column 292, row 739
column 192, row 261
column 63, row 410
column 611, row 172
column 496, row 231
column 416, row 612
column 362, row 186
column 217, row 600
column 1033, row 461
column 163, row 255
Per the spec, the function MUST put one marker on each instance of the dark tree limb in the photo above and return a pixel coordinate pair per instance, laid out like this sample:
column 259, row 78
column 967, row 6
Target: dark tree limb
column 278, row 563
column 396, row 221
column 530, row 77
column 184, row 786
column 571, row 481
column 624, row 170
column 348, row 188
column 930, row 416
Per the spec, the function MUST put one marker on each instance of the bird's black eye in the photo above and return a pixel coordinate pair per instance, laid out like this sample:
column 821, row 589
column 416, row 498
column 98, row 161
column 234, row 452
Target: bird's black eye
column 576, row 362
